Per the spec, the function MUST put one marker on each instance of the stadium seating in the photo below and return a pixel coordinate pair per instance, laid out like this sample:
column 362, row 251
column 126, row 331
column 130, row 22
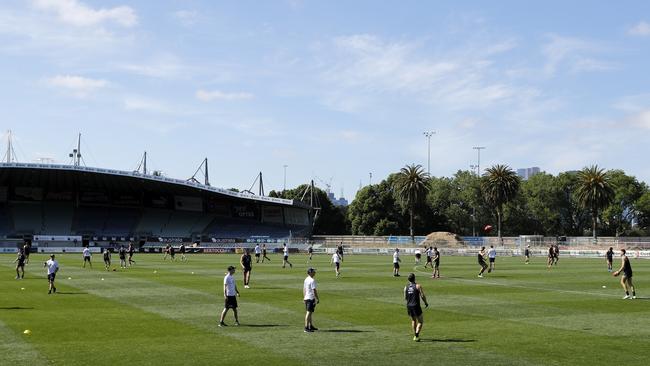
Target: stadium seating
column 27, row 217
column 57, row 218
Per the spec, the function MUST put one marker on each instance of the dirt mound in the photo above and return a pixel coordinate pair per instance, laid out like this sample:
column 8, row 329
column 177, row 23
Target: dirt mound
column 442, row 239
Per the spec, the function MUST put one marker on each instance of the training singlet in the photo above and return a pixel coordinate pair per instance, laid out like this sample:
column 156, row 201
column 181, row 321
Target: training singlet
column 627, row 268
column 246, row 260
column 412, row 295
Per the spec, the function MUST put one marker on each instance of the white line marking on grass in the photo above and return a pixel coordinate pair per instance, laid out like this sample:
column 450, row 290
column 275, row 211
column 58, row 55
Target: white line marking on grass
column 486, row 282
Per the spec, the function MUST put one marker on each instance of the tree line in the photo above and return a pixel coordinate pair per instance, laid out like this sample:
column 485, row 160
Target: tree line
column 591, row 201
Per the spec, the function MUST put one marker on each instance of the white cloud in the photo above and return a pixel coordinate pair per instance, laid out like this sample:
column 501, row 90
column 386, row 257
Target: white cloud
column 641, row 119
column 186, row 17
column 78, row 14
column 138, row 103
column 78, row 85
column 208, row 96
column 569, row 53
column 162, row 66
column 640, row 29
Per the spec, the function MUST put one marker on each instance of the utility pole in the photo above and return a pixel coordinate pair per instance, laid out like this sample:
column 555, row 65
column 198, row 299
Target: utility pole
column 428, row 135
column 478, row 162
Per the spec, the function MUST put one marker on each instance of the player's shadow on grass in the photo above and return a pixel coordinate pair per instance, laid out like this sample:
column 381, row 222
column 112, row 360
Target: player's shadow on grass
column 345, row 331
column 263, row 325
column 72, row 293
column 15, row 308
column 447, row 340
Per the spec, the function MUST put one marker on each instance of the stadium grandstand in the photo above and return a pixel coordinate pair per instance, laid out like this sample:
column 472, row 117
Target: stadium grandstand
column 72, row 205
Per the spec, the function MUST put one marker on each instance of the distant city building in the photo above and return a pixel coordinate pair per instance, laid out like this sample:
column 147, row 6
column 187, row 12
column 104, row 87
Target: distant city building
column 337, row 202
column 525, row 173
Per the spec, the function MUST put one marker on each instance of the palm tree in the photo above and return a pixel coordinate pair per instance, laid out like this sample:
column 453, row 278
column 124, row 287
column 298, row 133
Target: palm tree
column 411, row 186
column 594, row 191
column 499, row 184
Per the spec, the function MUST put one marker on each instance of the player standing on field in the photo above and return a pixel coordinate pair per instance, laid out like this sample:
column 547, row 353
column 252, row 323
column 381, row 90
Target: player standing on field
column 86, row 256
column 247, row 265
column 429, row 254
column 436, row 263
column 230, row 294
column 396, row 261
column 131, row 250
column 285, row 260
column 310, row 297
column 626, row 279
column 181, row 249
column 527, row 254
column 492, row 256
column 412, row 294
column 107, row 259
column 20, row 264
column 122, row 254
column 418, row 256
column 551, row 255
column 610, row 258
column 310, row 252
column 52, row 268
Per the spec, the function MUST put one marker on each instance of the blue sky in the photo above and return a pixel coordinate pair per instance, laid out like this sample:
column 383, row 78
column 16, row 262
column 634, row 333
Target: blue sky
column 333, row 89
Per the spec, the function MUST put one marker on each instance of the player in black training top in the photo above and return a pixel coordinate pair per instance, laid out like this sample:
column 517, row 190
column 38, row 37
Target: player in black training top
column 246, row 262
column 551, row 255
column 481, row 261
column 626, row 279
column 122, row 254
column 181, row 249
column 310, row 252
column 264, row 256
column 609, row 255
column 412, row 294
column 527, row 254
column 172, row 253
column 20, row 264
column 339, row 249
column 131, row 250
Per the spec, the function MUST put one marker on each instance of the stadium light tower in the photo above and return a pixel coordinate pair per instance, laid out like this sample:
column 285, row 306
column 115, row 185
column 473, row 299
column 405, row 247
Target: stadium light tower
column 478, row 162
column 428, row 135
column 284, row 187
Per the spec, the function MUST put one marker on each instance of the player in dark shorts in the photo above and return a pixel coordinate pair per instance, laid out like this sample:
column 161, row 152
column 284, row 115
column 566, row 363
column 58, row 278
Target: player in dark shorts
column 246, row 262
column 172, row 253
column 20, row 264
column 264, row 256
column 122, row 254
column 181, row 249
column 551, row 256
column 412, row 294
column 107, row 259
column 626, row 279
column 131, row 250
column 481, row 261
column 610, row 258
column 230, row 294
column 556, row 254
column 27, row 249
column 310, row 252
column 429, row 253
column 166, row 251
column 436, row 263
column 527, row 254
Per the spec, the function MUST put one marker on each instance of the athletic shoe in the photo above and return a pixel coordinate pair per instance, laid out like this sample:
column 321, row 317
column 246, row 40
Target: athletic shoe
column 290, row 265
column 480, row 276
column 307, row 330
column 54, row 289
column 634, row 296
column 313, row 328
column 237, row 323
column 222, row 324
column 17, row 277
column 416, row 338
column 626, row 297
column 246, row 286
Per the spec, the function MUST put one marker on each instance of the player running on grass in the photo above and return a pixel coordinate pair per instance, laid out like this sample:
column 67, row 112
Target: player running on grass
column 492, row 256
column 412, row 294
column 182, row 250
column 20, row 264
column 481, row 261
column 52, row 268
column 551, row 256
column 310, row 252
column 396, row 261
column 230, row 294
column 339, row 249
column 429, row 254
column 258, row 251
column 285, row 259
column 626, row 279
column 107, row 259
column 246, row 262
column 131, row 250
column 418, row 256
column 264, row 254
column 336, row 260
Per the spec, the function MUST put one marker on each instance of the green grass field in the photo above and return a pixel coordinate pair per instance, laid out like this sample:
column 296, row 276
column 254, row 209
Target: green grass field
column 518, row 315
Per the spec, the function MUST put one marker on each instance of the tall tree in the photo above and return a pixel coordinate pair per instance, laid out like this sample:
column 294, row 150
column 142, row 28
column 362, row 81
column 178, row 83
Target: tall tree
column 499, row 184
column 594, row 192
column 411, row 186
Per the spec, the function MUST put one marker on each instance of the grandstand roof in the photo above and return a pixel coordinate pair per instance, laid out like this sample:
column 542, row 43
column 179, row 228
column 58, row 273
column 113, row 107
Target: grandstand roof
column 33, row 174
